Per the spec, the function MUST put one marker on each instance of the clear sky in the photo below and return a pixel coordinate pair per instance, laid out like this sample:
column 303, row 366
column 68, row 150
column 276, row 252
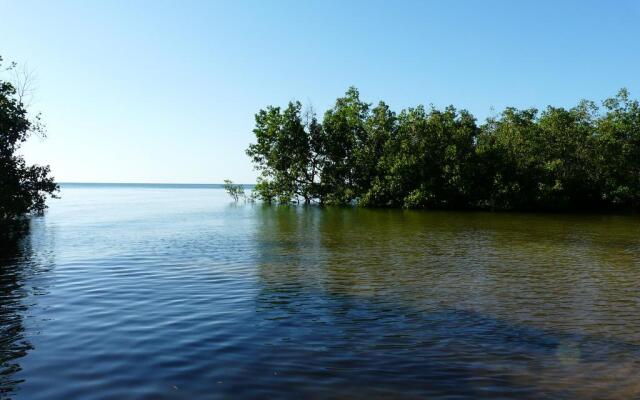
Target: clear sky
column 165, row 91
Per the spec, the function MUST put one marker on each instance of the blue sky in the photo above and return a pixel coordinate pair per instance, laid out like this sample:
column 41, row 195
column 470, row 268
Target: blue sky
column 165, row 91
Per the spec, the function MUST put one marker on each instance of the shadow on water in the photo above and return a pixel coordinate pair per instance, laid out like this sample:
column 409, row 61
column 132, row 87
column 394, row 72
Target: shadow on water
column 374, row 303
column 19, row 283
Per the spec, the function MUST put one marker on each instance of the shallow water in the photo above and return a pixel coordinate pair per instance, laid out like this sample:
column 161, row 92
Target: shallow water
column 176, row 293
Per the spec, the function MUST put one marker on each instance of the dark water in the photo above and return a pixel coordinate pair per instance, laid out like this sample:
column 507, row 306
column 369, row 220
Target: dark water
column 165, row 293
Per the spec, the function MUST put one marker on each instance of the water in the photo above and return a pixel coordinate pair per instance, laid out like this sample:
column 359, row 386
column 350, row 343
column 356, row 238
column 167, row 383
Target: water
column 167, row 293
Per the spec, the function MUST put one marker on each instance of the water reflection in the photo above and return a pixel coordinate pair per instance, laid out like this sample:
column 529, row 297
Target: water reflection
column 474, row 305
column 170, row 294
column 19, row 271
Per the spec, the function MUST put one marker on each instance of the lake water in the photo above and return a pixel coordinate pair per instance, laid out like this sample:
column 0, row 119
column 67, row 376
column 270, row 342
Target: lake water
column 176, row 293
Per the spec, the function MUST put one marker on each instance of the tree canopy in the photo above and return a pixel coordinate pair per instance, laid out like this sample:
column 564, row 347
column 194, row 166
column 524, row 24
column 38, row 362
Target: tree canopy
column 23, row 187
column 582, row 158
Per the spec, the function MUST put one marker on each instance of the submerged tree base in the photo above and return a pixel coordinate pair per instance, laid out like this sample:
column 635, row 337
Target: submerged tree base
column 11, row 231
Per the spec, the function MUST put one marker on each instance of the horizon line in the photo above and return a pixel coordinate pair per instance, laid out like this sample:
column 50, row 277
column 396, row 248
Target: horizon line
column 144, row 183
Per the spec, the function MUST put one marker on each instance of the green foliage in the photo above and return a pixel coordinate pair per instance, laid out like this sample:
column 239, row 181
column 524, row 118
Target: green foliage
column 286, row 153
column 345, row 163
column 23, row 188
column 235, row 191
column 584, row 158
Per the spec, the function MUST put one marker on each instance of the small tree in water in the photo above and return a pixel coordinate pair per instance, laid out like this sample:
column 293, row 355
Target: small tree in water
column 235, row 191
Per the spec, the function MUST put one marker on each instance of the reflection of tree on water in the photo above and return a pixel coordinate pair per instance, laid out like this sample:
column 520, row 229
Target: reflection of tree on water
column 18, row 267
column 372, row 301
column 288, row 247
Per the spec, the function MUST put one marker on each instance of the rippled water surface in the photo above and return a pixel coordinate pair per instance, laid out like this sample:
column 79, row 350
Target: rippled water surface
column 175, row 293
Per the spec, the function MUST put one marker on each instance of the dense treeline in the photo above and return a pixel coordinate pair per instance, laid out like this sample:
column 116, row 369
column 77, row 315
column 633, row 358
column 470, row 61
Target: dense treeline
column 583, row 158
column 23, row 187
